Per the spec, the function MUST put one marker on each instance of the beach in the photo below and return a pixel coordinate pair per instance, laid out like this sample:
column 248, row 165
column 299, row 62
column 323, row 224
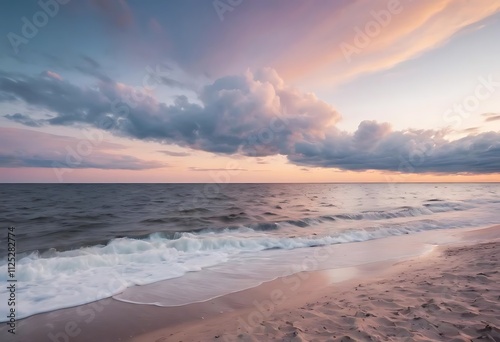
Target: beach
column 451, row 294
column 230, row 170
column 448, row 293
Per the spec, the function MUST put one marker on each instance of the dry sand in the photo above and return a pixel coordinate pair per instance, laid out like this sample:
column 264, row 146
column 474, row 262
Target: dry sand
column 449, row 294
column 452, row 294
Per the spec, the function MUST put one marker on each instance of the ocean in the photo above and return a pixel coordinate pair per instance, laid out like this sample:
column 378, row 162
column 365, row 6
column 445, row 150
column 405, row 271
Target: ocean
column 174, row 244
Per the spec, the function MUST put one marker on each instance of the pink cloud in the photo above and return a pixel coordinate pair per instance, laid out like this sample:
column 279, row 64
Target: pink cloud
column 304, row 42
column 34, row 149
column 52, row 74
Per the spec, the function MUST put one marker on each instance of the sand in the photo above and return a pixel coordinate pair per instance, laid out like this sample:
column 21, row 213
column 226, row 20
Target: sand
column 449, row 294
column 452, row 294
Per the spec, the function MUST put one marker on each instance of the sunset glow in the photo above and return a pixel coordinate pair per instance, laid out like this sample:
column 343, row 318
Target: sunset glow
column 250, row 91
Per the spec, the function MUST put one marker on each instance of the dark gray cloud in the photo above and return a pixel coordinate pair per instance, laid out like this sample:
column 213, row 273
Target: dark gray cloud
column 24, row 119
column 413, row 151
column 256, row 114
column 26, row 148
column 92, row 68
column 91, row 62
column 71, row 103
column 251, row 114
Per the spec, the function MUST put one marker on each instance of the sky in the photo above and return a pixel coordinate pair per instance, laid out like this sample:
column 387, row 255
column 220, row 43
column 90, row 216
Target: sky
column 250, row 91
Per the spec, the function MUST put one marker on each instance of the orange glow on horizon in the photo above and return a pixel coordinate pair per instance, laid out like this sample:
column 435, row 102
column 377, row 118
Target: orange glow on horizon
column 183, row 175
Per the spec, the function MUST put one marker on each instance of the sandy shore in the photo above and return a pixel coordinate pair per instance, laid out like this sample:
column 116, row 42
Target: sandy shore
column 448, row 294
column 452, row 294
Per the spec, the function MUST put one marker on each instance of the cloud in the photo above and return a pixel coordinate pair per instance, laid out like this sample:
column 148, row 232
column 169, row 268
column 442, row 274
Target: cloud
column 24, row 119
column 491, row 117
column 470, row 130
column 418, row 28
column 412, row 151
column 175, row 154
column 52, row 74
column 251, row 114
column 91, row 62
column 93, row 69
column 303, row 39
column 71, row 103
column 369, row 133
column 216, row 169
column 25, row 148
column 257, row 114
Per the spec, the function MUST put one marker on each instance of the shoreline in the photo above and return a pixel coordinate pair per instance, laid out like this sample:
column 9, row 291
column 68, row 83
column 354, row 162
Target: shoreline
column 113, row 320
column 420, row 313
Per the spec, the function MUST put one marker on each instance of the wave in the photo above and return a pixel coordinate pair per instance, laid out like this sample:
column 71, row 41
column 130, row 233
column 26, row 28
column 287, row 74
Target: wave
column 406, row 211
column 249, row 240
column 182, row 253
column 401, row 212
column 59, row 279
column 63, row 279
